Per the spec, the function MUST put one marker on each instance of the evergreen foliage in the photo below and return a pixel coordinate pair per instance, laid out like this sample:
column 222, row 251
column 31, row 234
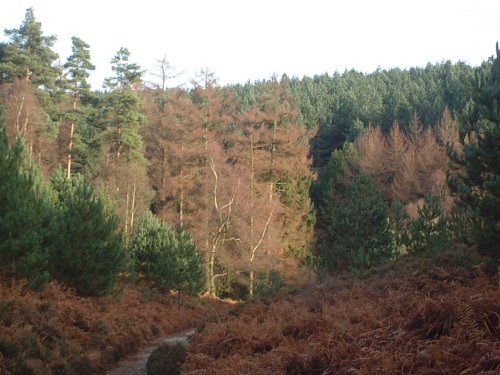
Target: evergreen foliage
column 476, row 175
column 429, row 233
column 147, row 242
column 398, row 218
column 87, row 251
column 270, row 284
column 331, row 188
column 77, row 69
column 255, row 135
column 25, row 215
column 122, row 121
column 166, row 359
column 29, row 55
column 126, row 73
column 168, row 258
column 358, row 236
column 188, row 273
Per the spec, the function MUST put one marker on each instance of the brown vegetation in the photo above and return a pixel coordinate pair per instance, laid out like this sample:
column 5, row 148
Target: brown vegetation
column 237, row 180
column 408, row 165
column 418, row 317
column 57, row 331
column 23, row 117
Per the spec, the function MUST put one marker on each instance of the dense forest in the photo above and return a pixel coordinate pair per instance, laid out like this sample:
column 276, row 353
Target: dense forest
column 238, row 191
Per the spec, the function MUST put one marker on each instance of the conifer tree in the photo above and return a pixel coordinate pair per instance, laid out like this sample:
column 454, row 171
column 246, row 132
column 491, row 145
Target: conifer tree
column 188, row 273
column 331, row 188
column 25, row 215
column 476, row 175
column 123, row 166
column 27, row 67
column 429, row 233
column 147, row 242
column 77, row 67
column 126, row 73
column 87, row 251
column 29, row 56
column 359, row 235
column 168, row 258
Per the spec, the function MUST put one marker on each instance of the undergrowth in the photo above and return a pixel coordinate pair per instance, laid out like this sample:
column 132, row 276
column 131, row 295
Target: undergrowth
column 166, row 360
column 417, row 316
column 59, row 332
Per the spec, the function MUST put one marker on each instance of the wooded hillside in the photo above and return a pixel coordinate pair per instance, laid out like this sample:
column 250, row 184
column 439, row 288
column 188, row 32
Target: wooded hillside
column 267, row 181
column 358, row 214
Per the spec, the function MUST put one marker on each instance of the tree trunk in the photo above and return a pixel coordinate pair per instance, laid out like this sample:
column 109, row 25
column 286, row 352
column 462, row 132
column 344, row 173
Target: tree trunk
column 126, row 213
column 250, row 290
column 211, row 278
column 70, row 143
column 132, row 213
column 181, row 193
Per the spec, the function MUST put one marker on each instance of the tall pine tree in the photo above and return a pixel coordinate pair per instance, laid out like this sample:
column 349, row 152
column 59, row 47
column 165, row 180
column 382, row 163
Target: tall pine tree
column 77, row 71
column 28, row 55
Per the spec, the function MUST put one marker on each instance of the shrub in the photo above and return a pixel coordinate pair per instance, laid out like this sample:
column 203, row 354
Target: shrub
column 269, row 285
column 429, row 233
column 166, row 360
column 168, row 258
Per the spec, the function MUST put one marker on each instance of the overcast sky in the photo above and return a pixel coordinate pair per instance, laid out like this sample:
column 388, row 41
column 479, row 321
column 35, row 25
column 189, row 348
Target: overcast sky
column 245, row 40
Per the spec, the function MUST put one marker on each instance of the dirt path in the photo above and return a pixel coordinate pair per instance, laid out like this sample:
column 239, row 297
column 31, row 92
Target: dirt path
column 136, row 364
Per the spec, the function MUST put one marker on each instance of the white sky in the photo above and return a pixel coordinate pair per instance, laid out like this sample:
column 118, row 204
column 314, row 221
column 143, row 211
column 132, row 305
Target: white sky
column 245, row 40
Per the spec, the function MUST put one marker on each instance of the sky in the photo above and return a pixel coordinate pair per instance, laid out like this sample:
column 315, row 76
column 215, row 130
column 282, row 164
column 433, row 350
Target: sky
column 248, row 40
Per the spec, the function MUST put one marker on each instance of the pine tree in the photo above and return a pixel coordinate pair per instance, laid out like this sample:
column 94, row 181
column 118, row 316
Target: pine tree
column 27, row 67
column 29, row 55
column 77, row 67
column 25, row 215
column 86, row 251
column 126, row 73
column 188, row 273
column 147, row 242
column 359, row 234
column 429, row 233
column 328, row 191
column 475, row 179
column 122, row 173
column 123, row 107
column 168, row 258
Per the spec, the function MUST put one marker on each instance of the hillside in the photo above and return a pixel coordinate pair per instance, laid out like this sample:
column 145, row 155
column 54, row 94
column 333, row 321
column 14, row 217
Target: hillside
column 417, row 316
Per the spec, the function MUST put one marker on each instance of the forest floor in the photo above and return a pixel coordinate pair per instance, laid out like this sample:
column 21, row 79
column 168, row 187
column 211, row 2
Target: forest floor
column 59, row 332
column 416, row 316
